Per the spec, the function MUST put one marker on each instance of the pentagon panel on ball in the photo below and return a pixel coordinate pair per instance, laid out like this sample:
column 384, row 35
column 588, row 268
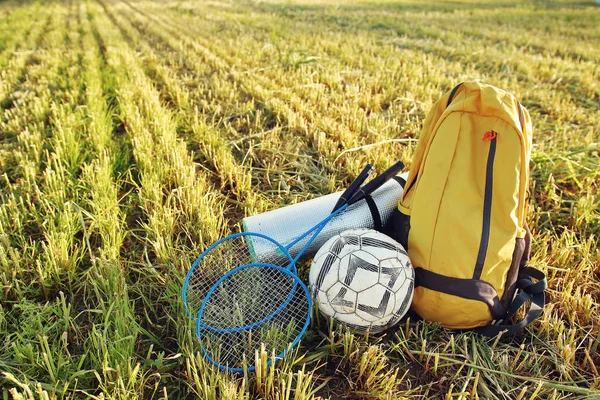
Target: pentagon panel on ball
column 363, row 279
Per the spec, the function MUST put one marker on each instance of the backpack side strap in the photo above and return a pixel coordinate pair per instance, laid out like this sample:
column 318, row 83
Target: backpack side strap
column 527, row 291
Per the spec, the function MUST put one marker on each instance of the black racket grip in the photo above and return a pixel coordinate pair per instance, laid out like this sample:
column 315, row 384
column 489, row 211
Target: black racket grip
column 349, row 192
column 377, row 182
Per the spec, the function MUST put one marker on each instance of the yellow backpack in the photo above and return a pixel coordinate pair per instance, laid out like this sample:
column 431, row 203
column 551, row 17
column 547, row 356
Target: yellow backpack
column 462, row 214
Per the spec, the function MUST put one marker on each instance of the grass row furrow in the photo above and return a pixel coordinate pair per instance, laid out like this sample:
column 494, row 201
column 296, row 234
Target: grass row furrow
column 181, row 212
column 214, row 151
column 46, row 243
column 171, row 192
column 29, row 117
column 101, row 173
column 63, row 153
column 153, row 133
column 238, row 120
column 299, row 120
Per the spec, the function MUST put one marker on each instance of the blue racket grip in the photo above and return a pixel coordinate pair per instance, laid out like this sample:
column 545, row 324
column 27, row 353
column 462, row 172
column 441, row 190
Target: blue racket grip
column 377, row 182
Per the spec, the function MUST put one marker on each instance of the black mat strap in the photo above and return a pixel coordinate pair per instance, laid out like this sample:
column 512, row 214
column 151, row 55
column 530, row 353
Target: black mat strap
column 374, row 213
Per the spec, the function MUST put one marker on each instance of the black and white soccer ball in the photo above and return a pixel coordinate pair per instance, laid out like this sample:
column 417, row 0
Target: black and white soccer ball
column 363, row 279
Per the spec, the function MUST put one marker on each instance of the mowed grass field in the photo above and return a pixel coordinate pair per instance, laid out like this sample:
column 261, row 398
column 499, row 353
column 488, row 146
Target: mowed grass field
column 135, row 133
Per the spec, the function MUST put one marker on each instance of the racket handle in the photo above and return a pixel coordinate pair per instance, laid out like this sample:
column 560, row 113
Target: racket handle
column 349, row 192
column 377, row 182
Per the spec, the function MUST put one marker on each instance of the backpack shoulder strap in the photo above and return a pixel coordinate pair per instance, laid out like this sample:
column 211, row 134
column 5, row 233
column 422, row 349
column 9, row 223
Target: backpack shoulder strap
column 452, row 93
column 432, row 118
column 527, row 291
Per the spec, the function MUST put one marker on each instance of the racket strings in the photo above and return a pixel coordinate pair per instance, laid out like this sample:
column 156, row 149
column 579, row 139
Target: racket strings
column 225, row 256
column 268, row 307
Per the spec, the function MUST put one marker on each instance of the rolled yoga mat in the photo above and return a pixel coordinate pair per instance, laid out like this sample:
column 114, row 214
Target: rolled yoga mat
column 288, row 223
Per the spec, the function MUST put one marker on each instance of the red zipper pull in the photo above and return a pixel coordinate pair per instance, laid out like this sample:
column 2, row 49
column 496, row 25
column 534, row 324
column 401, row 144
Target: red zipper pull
column 489, row 135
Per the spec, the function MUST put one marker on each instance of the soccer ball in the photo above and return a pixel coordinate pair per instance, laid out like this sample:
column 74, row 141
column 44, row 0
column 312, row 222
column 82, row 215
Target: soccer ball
column 363, row 279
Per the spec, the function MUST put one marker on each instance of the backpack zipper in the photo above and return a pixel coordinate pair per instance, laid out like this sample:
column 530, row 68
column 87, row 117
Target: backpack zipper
column 487, row 204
